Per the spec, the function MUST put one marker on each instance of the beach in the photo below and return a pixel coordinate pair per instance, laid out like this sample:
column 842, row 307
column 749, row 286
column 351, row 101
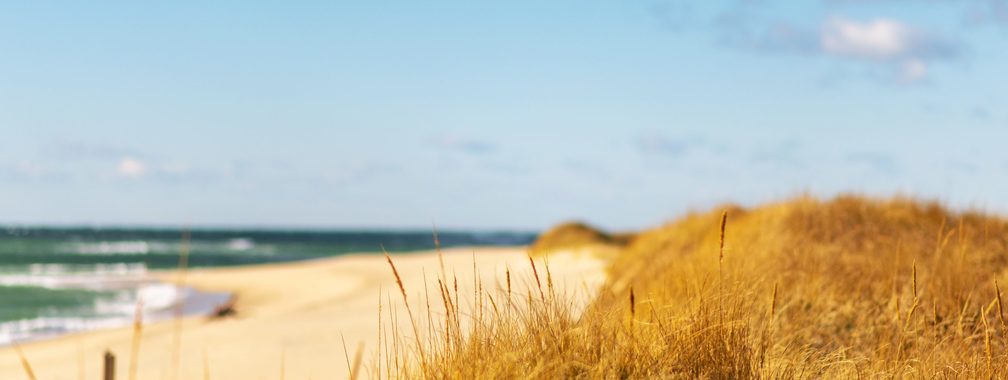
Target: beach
column 291, row 319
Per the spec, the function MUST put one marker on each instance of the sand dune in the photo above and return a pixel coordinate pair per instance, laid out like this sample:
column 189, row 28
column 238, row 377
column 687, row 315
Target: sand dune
column 290, row 316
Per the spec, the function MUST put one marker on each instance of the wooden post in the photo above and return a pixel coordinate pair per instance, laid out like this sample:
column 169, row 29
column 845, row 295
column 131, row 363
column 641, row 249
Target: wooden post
column 109, row 368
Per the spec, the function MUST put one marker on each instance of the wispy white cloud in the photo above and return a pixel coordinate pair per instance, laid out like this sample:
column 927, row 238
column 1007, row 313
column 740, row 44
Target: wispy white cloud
column 130, row 167
column 72, row 158
column 896, row 52
column 888, row 41
column 912, row 70
column 901, row 49
column 881, row 39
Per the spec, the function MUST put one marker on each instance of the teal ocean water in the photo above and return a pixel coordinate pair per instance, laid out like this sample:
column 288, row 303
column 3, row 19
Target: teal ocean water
column 59, row 280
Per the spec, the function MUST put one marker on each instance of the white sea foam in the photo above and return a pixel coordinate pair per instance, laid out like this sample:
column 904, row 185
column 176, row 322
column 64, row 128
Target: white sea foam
column 160, row 301
column 138, row 247
column 157, row 298
column 160, row 296
column 44, row 327
column 92, row 277
column 118, row 289
column 240, row 244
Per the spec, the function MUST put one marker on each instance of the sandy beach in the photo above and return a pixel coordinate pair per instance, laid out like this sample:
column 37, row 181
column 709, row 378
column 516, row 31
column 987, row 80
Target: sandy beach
column 291, row 316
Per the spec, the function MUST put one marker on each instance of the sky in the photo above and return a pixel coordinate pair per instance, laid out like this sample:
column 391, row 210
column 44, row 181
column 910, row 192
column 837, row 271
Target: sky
column 479, row 115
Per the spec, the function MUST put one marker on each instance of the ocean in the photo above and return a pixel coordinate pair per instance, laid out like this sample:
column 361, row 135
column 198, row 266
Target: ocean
column 59, row 280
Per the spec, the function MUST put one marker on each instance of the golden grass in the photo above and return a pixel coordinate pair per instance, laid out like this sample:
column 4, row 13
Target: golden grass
column 183, row 266
column 135, row 344
column 846, row 279
column 409, row 310
column 353, row 368
column 577, row 235
column 24, row 363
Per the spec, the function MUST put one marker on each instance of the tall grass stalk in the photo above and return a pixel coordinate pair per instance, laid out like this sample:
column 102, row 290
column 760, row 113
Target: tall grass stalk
column 135, row 344
column 535, row 273
column 24, row 363
column 997, row 292
column 847, row 311
column 409, row 310
column 183, row 266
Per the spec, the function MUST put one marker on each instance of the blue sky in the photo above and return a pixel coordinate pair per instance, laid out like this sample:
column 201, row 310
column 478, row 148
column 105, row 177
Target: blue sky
column 518, row 114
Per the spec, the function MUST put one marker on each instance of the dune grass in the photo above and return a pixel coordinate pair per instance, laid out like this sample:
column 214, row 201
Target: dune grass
column 29, row 372
column 845, row 288
column 805, row 289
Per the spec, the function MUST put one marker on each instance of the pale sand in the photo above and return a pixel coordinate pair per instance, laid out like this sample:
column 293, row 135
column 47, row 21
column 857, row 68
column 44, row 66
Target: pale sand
column 295, row 313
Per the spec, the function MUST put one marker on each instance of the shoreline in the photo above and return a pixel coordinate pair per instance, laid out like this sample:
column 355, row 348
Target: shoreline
column 298, row 313
column 196, row 303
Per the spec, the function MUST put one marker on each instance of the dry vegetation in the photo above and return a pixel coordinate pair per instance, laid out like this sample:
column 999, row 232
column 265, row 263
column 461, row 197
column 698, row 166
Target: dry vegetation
column 846, row 288
column 572, row 235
